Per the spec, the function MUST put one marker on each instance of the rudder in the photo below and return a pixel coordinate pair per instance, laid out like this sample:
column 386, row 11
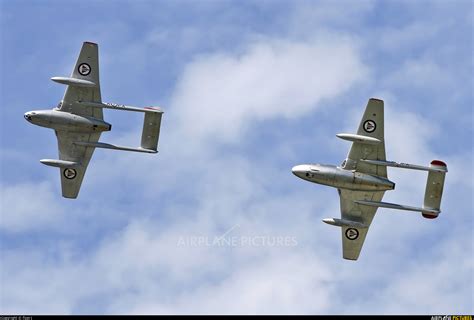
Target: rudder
column 151, row 130
column 434, row 189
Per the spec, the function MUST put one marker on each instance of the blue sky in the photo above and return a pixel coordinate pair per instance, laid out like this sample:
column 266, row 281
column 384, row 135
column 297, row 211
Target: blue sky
column 249, row 89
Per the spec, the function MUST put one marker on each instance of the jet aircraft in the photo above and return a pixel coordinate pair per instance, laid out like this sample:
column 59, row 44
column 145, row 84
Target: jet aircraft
column 78, row 121
column 362, row 180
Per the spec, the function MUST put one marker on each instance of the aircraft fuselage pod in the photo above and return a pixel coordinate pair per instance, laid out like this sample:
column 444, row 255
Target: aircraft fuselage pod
column 333, row 176
column 59, row 120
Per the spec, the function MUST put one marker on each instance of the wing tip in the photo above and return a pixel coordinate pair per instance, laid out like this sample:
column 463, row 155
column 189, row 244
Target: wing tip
column 69, row 197
column 90, row 42
column 438, row 163
column 155, row 109
column 350, row 258
column 376, row 99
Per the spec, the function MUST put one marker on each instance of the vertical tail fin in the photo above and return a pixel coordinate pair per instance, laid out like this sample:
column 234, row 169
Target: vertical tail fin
column 434, row 188
column 151, row 130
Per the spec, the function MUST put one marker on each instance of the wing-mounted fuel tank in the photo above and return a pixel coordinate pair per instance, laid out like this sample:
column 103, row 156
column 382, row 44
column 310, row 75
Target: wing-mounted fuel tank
column 60, row 163
column 358, row 138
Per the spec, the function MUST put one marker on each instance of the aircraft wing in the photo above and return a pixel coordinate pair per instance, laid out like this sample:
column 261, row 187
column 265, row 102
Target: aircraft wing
column 371, row 125
column 83, row 84
column 71, row 177
column 353, row 237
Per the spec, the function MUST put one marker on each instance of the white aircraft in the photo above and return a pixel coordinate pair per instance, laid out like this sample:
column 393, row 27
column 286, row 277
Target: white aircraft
column 362, row 180
column 78, row 121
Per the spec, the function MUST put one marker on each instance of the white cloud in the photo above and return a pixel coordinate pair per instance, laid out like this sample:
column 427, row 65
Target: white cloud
column 135, row 266
column 28, row 206
column 407, row 36
column 273, row 285
column 439, row 283
column 422, row 73
column 310, row 16
column 220, row 95
column 140, row 268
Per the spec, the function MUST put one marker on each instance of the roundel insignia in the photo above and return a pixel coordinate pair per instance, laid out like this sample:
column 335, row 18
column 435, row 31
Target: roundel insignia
column 84, row 69
column 352, row 234
column 69, row 173
column 369, row 126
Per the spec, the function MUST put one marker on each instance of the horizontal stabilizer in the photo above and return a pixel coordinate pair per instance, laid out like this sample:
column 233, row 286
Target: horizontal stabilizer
column 433, row 168
column 396, row 206
column 113, row 147
column 344, row 223
column 358, row 138
column 122, row 107
column 59, row 163
column 74, row 82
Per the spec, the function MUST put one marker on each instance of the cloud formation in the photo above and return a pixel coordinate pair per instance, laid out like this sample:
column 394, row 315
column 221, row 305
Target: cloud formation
column 237, row 119
column 220, row 95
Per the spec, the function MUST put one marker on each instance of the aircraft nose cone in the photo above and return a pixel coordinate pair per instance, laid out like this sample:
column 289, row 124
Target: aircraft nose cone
column 298, row 170
column 294, row 170
column 27, row 116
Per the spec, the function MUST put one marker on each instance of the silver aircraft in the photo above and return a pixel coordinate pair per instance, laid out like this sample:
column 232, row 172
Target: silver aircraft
column 362, row 180
column 78, row 121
